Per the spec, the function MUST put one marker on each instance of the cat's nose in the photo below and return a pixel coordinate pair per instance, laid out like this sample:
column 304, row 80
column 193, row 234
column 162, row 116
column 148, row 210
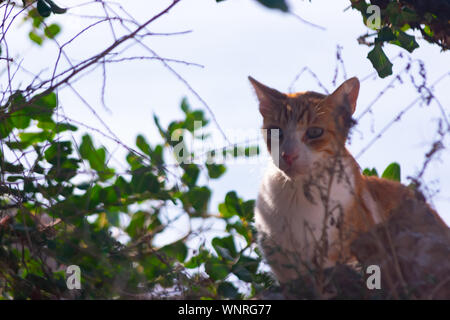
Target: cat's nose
column 289, row 158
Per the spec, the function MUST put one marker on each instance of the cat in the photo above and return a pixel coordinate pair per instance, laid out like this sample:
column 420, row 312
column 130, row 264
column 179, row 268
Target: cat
column 313, row 200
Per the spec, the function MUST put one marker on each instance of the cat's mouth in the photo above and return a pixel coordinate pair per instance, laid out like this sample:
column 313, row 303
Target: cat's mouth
column 293, row 170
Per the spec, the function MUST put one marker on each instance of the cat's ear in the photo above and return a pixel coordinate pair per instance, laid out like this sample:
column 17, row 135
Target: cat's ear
column 347, row 94
column 269, row 99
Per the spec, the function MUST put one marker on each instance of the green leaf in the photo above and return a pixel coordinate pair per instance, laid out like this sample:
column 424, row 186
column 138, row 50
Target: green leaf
column 245, row 268
column 392, row 172
column 248, row 209
column 185, row 106
column 225, row 247
column 153, row 267
column 11, row 168
column 86, row 147
column 191, row 173
column 243, row 230
column 215, row 171
column 406, row 41
column 370, row 172
column 43, row 8
column 228, row 290
column 275, row 4
column 428, row 31
column 96, row 157
column 58, row 151
column 42, row 109
column 20, row 119
column 29, row 138
column 6, row 127
column 52, row 30
column 143, row 145
column 198, row 198
column 231, row 206
column 109, row 195
column 216, row 269
column 136, row 225
column 197, row 260
column 50, row 101
column 194, row 120
column 56, row 127
column 176, row 250
column 144, row 180
column 385, row 34
column 56, row 9
column 37, row 20
column 380, row 61
column 113, row 217
column 35, row 38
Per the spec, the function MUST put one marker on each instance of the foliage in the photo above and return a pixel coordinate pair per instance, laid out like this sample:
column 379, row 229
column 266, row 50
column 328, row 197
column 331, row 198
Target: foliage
column 429, row 17
column 392, row 172
column 83, row 209
column 272, row 4
column 62, row 203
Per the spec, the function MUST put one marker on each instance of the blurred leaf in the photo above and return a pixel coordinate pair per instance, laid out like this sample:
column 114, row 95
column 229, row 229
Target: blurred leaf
column 113, row 217
column 144, row 180
column 231, row 206
column 185, row 105
column 370, row 172
column 225, row 247
column 197, row 260
column 275, row 4
column 6, row 126
column 392, row 172
column 43, row 8
column 56, row 9
column 50, row 100
column 216, row 269
column 136, row 224
column 228, row 290
column 35, row 38
column 245, row 268
column 143, row 145
column 385, row 34
column 428, row 31
column 191, row 173
column 29, row 138
column 215, row 171
column 56, row 127
column 176, row 250
column 43, row 108
column 380, row 61
column 198, row 198
column 52, row 30
column 406, row 41
column 58, row 151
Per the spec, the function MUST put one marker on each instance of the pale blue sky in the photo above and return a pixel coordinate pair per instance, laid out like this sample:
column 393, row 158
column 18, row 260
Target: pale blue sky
column 237, row 38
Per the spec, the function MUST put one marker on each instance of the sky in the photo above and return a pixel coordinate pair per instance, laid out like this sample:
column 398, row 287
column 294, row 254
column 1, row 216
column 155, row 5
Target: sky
column 232, row 40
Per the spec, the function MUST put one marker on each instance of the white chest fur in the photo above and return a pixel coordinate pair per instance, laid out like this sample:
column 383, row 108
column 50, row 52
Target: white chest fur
column 290, row 225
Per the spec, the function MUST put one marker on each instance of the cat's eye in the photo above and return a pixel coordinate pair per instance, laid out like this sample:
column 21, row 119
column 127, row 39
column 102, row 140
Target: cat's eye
column 314, row 132
column 272, row 133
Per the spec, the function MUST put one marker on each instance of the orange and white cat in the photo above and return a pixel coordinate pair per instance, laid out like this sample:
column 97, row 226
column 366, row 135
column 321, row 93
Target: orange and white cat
column 313, row 200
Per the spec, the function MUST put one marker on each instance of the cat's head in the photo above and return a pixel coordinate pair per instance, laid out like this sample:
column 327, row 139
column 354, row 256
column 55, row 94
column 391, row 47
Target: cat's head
column 306, row 127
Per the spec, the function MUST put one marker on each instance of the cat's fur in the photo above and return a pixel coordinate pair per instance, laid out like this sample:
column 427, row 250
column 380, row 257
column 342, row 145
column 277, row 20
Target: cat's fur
column 313, row 200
